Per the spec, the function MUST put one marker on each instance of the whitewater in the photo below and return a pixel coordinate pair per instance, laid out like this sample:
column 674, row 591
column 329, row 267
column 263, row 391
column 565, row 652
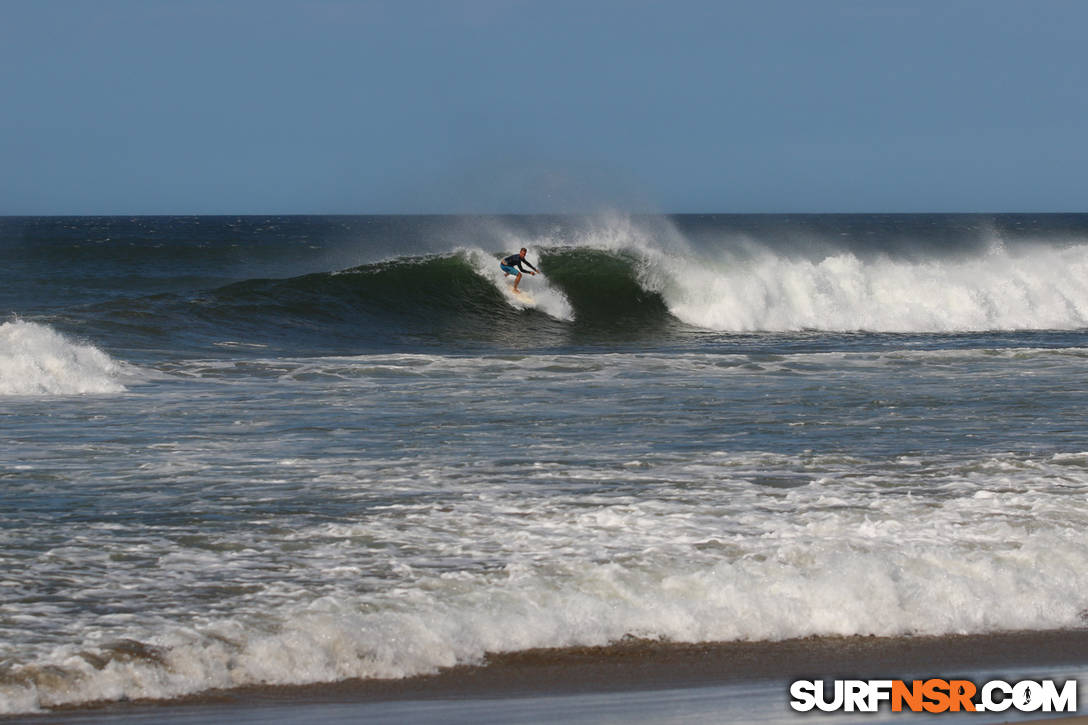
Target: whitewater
column 259, row 451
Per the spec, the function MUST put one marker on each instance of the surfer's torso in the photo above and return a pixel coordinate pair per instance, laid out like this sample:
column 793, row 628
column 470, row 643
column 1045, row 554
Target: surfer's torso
column 516, row 260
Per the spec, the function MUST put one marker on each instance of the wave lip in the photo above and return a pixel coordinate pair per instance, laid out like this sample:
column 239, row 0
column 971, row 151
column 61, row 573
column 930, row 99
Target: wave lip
column 35, row 359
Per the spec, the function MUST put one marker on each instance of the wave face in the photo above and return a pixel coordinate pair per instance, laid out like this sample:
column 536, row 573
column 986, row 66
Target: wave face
column 605, row 279
column 461, row 297
column 37, row 360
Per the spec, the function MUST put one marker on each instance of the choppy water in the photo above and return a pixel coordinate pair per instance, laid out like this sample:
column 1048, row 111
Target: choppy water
column 236, row 451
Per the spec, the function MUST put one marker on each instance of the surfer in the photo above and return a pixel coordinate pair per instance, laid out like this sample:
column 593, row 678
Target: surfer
column 512, row 265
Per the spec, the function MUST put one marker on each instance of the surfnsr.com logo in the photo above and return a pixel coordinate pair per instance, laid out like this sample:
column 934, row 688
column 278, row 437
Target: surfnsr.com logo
column 934, row 695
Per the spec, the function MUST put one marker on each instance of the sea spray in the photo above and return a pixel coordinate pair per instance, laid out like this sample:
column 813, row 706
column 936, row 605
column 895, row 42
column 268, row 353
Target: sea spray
column 35, row 359
column 1043, row 288
column 542, row 295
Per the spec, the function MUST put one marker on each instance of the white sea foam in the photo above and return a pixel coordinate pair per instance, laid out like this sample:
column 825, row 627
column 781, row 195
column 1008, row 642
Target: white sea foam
column 1039, row 288
column 433, row 543
column 413, row 368
column 545, row 297
column 35, row 359
column 713, row 559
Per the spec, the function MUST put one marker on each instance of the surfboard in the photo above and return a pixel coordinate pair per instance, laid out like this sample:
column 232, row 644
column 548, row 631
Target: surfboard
column 521, row 298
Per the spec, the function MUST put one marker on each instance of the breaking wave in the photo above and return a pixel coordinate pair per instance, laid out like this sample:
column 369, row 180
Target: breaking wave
column 35, row 359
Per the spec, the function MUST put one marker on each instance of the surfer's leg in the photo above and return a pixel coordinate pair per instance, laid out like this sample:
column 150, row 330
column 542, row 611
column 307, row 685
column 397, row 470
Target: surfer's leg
column 516, row 281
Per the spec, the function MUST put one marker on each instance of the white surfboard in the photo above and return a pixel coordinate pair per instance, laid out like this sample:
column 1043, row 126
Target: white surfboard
column 521, row 298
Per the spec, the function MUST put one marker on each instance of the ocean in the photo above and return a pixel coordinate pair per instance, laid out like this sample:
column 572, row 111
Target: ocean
column 252, row 451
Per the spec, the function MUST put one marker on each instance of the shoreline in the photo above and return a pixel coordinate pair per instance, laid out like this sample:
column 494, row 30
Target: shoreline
column 640, row 666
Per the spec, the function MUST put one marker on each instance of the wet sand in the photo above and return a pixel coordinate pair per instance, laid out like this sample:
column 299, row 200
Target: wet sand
column 744, row 673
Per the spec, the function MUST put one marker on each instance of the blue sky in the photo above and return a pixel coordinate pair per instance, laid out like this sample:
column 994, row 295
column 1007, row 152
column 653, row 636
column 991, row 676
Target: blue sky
column 481, row 106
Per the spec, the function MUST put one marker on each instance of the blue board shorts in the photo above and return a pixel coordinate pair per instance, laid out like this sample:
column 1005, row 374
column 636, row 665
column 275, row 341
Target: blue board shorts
column 509, row 270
